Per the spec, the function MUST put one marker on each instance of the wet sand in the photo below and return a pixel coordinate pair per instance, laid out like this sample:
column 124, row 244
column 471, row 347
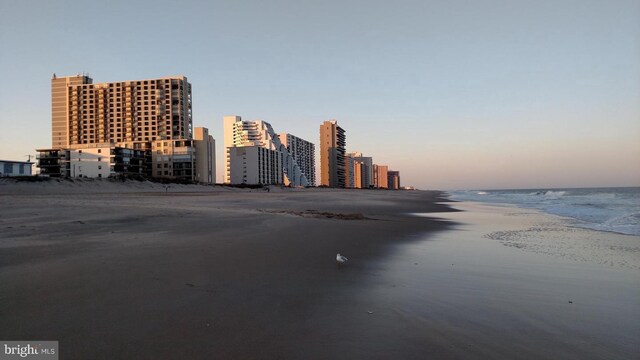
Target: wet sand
column 122, row 271
column 508, row 283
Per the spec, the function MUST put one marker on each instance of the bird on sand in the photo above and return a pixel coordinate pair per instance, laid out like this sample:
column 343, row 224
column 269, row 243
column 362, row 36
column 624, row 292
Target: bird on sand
column 341, row 259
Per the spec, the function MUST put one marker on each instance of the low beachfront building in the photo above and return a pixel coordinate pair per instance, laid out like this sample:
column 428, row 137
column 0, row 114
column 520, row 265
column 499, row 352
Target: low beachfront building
column 91, row 161
column 255, row 165
column 15, row 168
column 52, row 162
column 165, row 159
column 173, row 160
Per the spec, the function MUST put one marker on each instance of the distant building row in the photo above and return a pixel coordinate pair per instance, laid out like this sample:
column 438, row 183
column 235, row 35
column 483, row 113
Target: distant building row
column 143, row 128
column 339, row 169
column 256, row 155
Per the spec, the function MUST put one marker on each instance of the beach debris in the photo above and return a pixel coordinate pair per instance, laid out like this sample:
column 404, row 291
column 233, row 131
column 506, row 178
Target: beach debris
column 320, row 214
column 570, row 302
column 370, row 312
column 189, row 285
column 341, row 259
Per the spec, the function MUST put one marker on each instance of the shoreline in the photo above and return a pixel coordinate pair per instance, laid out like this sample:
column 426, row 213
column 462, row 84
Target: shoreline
column 253, row 275
column 491, row 295
column 607, row 209
column 558, row 228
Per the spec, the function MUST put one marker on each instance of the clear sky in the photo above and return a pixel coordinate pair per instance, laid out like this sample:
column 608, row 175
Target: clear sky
column 454, row 94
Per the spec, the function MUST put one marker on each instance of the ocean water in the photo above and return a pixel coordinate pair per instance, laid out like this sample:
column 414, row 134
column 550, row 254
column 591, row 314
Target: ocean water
column 603, row 209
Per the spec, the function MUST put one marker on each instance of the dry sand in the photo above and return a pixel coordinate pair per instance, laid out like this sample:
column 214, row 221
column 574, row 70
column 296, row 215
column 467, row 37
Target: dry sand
column 135, row 270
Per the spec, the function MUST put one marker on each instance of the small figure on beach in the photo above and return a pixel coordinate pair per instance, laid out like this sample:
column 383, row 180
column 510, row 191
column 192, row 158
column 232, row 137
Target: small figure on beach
column 341, row 259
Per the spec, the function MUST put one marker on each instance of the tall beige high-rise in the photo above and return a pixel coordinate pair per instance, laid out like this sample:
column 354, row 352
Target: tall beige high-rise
column 60, row 107
column 380, row 176
column 332, row 150
column 127, row 111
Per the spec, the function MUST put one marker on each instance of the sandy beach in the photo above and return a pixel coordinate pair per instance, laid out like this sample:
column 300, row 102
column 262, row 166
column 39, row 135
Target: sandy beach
column 138, row 270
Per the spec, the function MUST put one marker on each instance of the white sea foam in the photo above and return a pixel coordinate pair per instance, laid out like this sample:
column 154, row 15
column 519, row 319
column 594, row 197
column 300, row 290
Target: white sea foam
column 605, row 209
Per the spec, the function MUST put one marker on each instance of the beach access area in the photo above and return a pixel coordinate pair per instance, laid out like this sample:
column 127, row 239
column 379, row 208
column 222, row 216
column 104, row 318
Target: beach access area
column 150, row 271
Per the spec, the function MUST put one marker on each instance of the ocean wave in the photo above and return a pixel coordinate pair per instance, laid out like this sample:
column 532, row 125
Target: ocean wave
column 554, row 194
column 605, row 209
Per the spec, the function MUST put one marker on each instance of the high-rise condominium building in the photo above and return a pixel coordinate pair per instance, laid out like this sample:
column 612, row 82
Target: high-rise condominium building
column 150, row 117
column 126, row 111
column 91, row 160
column 348, row 172
column 239, row 133
column 366, row 164
column 380, row 176
column 61, row 107
column 353, row 172
column 332, row 162
column 205, row 155
column 303, row 152
column 393, row 179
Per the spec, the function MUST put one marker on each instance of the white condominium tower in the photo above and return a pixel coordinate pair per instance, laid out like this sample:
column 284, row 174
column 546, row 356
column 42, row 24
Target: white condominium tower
column 303, row 152
column 239, row 133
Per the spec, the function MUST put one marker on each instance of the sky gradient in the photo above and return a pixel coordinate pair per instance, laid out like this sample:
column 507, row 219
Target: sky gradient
column 453, row 94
